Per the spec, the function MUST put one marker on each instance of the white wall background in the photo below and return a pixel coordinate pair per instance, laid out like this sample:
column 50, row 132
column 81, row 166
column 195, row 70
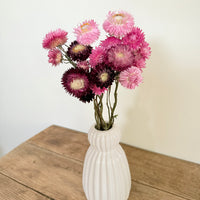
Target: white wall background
column 162, row 115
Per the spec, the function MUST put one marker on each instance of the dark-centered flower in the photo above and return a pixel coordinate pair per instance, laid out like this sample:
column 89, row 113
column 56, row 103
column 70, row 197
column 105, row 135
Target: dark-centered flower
column 79, row 52
column 76, row 82
column 102, row 76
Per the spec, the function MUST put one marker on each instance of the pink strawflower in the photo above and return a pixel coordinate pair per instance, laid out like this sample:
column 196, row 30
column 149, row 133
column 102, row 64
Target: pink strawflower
column 131, row 77
column 145, row 50
column 54, row 39
column 97, row 56
column 120, row 57
column 97, row 90
column 135, row 38
column 83, row 64
column 118, row 24
column 55, row 56
column 87, row 32
column 110, row 42
column 139, row 62
column 141, row 54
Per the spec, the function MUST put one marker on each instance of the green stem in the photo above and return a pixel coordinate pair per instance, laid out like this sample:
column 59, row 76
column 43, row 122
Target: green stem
column 66, row 56
column 115, row 103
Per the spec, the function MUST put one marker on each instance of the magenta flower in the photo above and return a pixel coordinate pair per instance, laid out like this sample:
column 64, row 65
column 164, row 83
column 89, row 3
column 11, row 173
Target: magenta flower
column 131, row 77
column 55, row 56
column 120, row 57
column 141, row 55
column 110, row 42
column 97, row 90
column 54, row 39
column 87, row 32
column 75, row 81
column 84, row 65
column 97, row 56
column 145, row 50
column 134, row 39
column 118, row 24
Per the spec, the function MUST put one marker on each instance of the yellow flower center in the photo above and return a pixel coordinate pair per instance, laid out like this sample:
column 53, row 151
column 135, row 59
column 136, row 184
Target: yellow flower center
column 104, row 76
column 85, row 27
column 77, row 84
column 56, row 42
column 78, row 48
column 118, row 18
column 119, row 55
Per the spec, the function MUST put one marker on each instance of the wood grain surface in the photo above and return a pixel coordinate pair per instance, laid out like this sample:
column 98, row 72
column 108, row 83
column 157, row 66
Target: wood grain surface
column 49, row 166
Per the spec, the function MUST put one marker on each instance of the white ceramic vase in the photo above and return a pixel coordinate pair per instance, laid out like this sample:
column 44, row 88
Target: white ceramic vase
column 106, row 174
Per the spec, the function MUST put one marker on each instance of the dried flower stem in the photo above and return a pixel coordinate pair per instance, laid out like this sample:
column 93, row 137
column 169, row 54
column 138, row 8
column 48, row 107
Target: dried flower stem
column 101, row 124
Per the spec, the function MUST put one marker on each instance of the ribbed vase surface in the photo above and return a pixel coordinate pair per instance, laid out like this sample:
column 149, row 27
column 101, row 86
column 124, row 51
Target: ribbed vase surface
column 106, row 174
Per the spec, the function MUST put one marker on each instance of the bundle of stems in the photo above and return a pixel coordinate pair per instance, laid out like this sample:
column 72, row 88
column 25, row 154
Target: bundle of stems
column 101, row 124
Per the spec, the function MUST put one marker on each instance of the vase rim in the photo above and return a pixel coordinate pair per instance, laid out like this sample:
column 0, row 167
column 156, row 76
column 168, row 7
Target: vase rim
column 102, row 132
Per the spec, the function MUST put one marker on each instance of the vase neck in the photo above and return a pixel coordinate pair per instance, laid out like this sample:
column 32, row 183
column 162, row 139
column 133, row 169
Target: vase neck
column 104, row 140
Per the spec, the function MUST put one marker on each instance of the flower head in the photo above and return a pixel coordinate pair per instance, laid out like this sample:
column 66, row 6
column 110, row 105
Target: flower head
column 141, row 54
column 98, row 90
column 131, row 77
column 55, row 56
column 120, row 57
column 78, row 52
column 54, row 39
column 97, row 56
column 76, row 82
column 102, row 76
column 110, row 42
column 83, row 64
column 118, row 24
column 87, row 32
column 134, row 39
column 145, row 50
column 87, row 97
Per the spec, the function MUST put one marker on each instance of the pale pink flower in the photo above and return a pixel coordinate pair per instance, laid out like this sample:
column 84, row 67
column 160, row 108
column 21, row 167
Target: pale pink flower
column 97, row 90
column 54, row 39
column 83, row 64
column 110, row 42
column 118, row 23
column 97, row 56
column 55, row 56
column 87, row 32
column 120, row 57
column 131, row 77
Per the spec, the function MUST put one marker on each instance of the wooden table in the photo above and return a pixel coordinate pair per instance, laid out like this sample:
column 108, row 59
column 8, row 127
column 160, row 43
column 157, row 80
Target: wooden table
column 49, row 166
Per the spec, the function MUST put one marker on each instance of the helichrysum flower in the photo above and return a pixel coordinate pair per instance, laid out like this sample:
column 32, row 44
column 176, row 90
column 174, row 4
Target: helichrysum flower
column 97, row 56
column 131, row 77
column 87, row 32
column 141, row 54
column 54, row 39
column 55, row 56
column 145, row 50
column 79, row 52
column 110, row 42
column 76, row 82
column 118, row 23
column 87, row 97
column 120, row 57
column 134, row 39
column 102, row 76
column 97, row 90
column 84, row 65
